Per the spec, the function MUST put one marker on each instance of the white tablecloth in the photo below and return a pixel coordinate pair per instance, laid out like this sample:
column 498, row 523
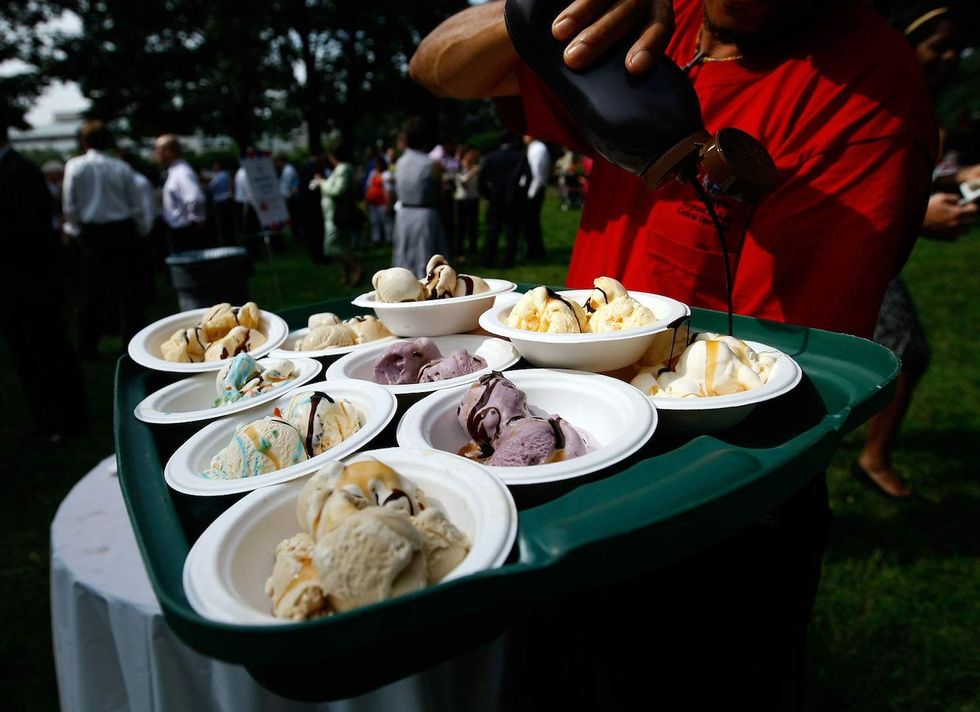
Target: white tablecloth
column 114, row 650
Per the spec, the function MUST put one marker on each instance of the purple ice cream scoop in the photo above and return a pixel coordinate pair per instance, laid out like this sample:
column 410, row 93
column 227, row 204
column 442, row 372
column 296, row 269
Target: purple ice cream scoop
column 536, row 441
column 458, row 363
column 487, row 405
column 401, row 362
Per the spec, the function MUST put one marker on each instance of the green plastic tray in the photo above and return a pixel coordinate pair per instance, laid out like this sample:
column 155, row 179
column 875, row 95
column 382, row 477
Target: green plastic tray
column 672, row 498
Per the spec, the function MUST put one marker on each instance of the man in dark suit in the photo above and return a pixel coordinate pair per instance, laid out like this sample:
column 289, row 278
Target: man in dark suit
column 504, row 178
column 31, row 279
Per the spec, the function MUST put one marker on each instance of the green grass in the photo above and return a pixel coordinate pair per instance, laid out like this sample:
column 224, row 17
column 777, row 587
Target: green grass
column 898, row 611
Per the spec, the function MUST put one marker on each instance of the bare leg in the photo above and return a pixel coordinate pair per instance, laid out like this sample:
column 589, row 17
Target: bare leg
column 875, row 458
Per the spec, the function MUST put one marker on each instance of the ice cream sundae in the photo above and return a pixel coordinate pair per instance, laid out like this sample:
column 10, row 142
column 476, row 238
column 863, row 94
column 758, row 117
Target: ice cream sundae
column 313, row 423
column 328, row 331
column 503, row 431
column 420, row 361
column 608, row 308
column 369, row 534
column 441, row 281
column 223, row 332
column 712, row 365
column 243, row 377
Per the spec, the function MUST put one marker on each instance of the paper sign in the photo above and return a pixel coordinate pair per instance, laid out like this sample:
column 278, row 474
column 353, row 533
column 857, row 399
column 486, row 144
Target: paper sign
column 263, row 184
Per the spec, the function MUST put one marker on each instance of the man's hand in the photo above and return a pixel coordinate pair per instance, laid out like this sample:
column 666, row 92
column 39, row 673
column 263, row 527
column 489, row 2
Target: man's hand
column 945, row 217
column 968, row 174
column 593, row 26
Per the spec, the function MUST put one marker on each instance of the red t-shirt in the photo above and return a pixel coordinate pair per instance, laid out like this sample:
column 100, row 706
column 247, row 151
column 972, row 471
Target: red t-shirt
column 844, row 111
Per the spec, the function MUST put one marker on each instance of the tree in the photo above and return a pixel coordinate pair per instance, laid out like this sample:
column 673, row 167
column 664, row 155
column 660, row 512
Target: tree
column 20, row 44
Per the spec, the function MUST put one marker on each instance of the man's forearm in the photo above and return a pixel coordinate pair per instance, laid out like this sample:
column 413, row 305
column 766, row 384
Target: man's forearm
column 469, row 56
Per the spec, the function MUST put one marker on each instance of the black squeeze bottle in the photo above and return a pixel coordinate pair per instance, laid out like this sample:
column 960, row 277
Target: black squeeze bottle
column 650, row 126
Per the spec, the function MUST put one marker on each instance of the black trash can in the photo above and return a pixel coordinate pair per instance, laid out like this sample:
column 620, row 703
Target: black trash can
column 203, row 278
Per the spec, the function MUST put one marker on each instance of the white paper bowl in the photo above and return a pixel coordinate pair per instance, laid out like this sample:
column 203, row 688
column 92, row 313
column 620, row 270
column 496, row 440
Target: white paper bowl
column 144, row 348
column 321, row 353
column 617, row 421
column 700, row 416
column 601, row 352
column 436, row 317
column 499, row 354
column 190, row 400
column 225, row 571
column 183, row 470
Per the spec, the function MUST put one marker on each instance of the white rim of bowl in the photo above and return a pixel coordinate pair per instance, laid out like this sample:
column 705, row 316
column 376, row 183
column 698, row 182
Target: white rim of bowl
column 209, row 551
column 182, row 475
column 409, row 432
column 148, row 413
column 320, row 353
column 140, row 353
column 339, row 367
column 789, row 377
column 491, row 321
column 497, row 287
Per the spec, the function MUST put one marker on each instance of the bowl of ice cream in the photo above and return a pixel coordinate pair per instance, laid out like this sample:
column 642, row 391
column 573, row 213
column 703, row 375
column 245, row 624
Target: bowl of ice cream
column 326, row 335
column 423, row 365
column 712, row 383
column 383, row 523
column 242, row 383
column 201, row 340
column 441, row 303
column 534, row 426
column 596, row 330
column 285, row 439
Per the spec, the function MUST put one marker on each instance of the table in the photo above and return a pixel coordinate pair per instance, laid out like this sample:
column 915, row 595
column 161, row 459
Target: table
column 114, row 650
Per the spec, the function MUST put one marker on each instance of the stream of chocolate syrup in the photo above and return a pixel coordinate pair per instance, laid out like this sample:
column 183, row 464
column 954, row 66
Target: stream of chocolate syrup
column 709, row 204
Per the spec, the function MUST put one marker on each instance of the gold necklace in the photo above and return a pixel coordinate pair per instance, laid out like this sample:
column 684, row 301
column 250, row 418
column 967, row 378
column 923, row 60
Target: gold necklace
column 701, row 58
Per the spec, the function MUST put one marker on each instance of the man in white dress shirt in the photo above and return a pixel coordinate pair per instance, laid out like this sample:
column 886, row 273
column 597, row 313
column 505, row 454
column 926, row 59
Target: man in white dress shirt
column 102, row 210
column 539, row 160
column 183, row 200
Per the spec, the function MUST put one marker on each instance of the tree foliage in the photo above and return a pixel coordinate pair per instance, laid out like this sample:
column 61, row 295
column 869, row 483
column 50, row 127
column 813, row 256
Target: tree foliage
column 243, row 68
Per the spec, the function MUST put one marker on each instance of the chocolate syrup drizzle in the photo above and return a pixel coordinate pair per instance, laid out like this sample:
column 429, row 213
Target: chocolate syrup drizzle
column 468, row 281
column 588, row 302
column 555, row 295
column 397, row 494
column 709, row 204
column 315, row 398
column 674, row 326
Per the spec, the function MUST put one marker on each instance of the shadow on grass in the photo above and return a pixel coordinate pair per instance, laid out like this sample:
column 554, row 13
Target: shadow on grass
column 940, row 520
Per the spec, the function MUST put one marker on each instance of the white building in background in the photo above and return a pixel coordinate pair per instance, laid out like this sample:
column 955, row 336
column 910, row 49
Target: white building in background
column 61, row 136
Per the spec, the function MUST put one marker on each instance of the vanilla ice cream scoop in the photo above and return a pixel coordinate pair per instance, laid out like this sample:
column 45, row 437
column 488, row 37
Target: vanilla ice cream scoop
column 440, row 279
column 372, row 555
column 336, row 491
column 397, row 284
column 185, row 346
column 443, row 544
column 257, row 448
column 367, row 328
column 239, row 340
column 322, row 319
column 544, row 310
column 222, row 318
column 606, row 290
column 467, row 284
column 321, row 421
column 294, row 585
column 712, row 365
column 326, row 336
column 622, row 313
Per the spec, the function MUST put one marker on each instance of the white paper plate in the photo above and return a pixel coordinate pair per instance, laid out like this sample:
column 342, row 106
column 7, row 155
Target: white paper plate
column 436, row 317
column 183, row 470
column 144, row 348
column 499, row 354
column 225, row 571
column 600, row 352
column 698, row 416
column 617, row 421
column 320, row 353
column 190, row 400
